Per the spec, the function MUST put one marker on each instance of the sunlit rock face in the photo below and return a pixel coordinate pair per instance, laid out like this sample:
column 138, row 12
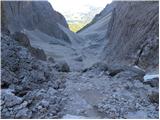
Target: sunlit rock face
column 31, row 15
column 105, row 12
column 132, row 36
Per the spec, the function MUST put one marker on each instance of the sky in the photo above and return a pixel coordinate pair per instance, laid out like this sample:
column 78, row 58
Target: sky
column 77, row 6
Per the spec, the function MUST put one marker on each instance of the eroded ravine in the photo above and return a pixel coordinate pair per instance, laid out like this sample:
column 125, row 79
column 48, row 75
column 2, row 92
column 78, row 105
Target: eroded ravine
column 91, row 92
column 50, row 72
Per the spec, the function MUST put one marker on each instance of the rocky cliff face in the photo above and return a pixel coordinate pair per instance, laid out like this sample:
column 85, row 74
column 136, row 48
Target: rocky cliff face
column 132, row 36
column 107, row 10
column 31, row 15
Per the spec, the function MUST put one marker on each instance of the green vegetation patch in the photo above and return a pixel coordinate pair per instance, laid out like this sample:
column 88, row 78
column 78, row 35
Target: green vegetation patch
column 76, row 26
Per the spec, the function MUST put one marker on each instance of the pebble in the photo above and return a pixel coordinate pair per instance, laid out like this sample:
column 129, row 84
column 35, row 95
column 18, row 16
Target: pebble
column 25, row 103
column 2, row 102
column 39, row 107
column 44, row 103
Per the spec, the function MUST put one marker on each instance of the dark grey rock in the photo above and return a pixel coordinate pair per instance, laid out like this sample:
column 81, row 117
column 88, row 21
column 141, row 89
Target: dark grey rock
column 41, row 16
column 115, row 69
column 27, row 76
column 101, row 66
column 62, row 66
column 24, row 41
column 38, row 53
column 154, row 97
column 130, row 71
column 51, row 59
column 7, row 78
column 79, row 58
column 153, row 82
column 97, row 66
column 139, row 48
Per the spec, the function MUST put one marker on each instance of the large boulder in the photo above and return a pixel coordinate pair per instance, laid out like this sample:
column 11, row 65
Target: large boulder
column 62, row 66
column 51, row 59
column 133, row 71
column 152, row 79
column 154, row 97
column 24, row 41
column 38, row 53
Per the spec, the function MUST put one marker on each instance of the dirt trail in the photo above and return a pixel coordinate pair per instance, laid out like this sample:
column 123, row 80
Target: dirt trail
column 84, row 93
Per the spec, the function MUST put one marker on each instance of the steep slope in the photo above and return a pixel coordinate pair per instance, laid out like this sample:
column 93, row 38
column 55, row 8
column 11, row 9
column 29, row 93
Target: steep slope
column 94, row 40
column 108, row 9
column 132, row 36
column 94, row 35
column 31, row 15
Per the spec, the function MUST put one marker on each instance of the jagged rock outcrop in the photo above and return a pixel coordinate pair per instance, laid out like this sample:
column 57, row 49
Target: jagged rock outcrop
column 30, row 88
column 24, row 41
column 31, row 15
column 132, row 36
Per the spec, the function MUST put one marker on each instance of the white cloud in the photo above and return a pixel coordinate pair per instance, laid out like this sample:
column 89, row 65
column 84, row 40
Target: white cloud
column 72, row 9
column 77, row 5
